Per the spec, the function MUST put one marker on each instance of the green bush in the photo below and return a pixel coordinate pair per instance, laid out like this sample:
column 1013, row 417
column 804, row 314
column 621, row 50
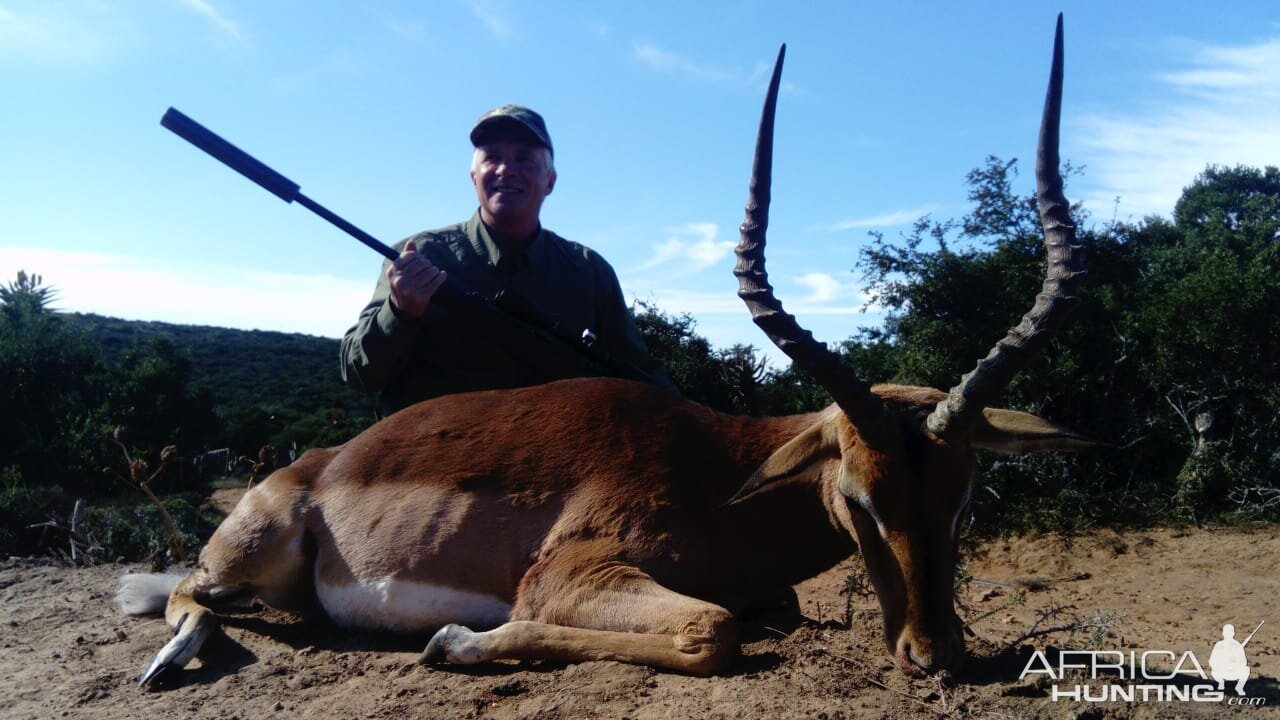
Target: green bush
column 21, row 507
column 133, row 531
column 1177, row 323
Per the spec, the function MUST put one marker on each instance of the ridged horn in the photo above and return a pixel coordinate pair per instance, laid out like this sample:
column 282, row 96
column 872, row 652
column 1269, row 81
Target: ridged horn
column 954, row 417
column 863, row 408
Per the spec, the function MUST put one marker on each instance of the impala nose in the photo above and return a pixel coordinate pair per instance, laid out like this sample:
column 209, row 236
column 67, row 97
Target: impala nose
column 928, row 657
column 916, row 664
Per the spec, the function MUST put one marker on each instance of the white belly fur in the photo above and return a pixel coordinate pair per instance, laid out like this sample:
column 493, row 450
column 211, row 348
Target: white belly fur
column 409, row 607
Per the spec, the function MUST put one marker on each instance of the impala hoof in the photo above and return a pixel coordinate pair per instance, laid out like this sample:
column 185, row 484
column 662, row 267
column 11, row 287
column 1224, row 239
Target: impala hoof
column 176, row 654
column 187, row 641
column 154, row 670
column 437, row 650
column 456, row 644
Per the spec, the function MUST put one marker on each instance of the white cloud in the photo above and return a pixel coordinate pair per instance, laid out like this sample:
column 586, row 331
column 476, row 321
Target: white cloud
column 693, row 247
column 1222, row 110
column 763, row 71
column 701, row 304
column 822, row 287
column 215, row 16
column 599, row 28
column 137, row 288
column 59, row 34
column 889, row 219
column 670, row 62
column 828, row 295
column 694, row 302
column 723, row 319
column 673, row 63
column 1225, row 71
column 409, row 30
column 494, row 21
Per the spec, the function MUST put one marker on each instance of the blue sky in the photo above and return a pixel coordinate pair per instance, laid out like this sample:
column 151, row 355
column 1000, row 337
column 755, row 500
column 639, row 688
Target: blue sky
column 652, row 107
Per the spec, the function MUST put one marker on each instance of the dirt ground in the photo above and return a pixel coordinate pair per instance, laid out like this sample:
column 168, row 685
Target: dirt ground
column 67, row 652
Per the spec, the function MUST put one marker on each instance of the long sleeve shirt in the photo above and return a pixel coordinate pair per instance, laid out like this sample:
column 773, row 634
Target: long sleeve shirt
column 407, row 360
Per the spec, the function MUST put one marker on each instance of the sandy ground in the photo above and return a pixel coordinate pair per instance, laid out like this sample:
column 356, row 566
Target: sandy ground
column 67, row 652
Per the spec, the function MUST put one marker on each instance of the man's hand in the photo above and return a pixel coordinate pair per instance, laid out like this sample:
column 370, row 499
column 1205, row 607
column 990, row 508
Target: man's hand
column 413, row 280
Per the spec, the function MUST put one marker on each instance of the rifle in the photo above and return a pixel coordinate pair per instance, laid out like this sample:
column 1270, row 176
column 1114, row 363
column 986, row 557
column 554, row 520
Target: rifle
column 566, row 353
column 1255, row 632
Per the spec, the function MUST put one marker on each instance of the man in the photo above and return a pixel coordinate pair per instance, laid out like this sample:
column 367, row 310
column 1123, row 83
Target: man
column 1228, row 661
column 407, row 348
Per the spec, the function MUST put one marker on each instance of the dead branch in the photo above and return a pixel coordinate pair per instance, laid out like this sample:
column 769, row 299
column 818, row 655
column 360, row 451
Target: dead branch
column 1099, row 623
column 139, row 479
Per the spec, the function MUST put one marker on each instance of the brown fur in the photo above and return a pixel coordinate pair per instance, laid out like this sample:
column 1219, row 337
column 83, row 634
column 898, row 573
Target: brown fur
column 597, row 509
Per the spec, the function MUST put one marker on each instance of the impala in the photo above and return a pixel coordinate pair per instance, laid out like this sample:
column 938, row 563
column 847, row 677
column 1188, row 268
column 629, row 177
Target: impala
column 602, row 519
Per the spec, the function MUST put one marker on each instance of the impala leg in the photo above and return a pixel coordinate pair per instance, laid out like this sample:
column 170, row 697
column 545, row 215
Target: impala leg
column 258, row 546
column 192, row 624
column 611, row 612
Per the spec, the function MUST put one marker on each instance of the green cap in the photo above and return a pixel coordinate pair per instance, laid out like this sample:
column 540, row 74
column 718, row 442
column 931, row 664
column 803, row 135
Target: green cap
column 511, row 121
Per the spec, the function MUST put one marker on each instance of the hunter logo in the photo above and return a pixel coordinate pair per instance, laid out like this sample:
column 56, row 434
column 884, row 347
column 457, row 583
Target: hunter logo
column 1140, row 676
column 1228, row 662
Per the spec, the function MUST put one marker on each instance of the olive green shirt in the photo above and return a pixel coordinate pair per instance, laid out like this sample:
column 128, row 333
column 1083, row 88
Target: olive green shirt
column 407, row 360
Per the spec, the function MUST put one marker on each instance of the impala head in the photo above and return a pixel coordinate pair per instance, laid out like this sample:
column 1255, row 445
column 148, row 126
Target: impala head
column 902, row 457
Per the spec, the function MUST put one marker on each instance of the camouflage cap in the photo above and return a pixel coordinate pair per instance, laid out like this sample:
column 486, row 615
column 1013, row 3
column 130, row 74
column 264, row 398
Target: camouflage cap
column 512, row 120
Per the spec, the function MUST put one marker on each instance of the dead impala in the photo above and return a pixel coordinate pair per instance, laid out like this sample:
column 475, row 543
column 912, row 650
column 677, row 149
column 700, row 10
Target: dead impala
column 601, row 519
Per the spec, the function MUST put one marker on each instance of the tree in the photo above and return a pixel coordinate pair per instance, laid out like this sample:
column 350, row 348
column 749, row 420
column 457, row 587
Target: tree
column 1237, row 205
column 1215, row 330
column 1178, row 320
column 735, row 380
column 150, row 394
column 49, row 370
column 688, row 357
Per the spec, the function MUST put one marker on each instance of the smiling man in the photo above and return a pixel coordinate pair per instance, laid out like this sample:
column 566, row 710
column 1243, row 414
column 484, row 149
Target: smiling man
column 407, row 349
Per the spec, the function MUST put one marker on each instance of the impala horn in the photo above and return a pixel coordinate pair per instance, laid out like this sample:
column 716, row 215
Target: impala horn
column 862, row 407
column 954, row 417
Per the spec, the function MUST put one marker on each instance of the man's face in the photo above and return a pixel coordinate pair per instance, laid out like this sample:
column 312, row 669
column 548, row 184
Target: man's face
column 512, row 178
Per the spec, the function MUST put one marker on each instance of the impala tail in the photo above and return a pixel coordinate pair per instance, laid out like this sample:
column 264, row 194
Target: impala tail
column 145, row 593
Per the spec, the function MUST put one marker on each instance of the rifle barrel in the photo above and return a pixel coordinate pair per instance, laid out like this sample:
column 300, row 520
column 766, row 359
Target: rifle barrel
column 1255, row 632
column 347, row 227
column 230, row 155
column 258, row 171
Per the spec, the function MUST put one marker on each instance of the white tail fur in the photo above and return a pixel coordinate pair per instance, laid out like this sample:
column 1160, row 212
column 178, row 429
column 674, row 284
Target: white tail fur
column 145, row 593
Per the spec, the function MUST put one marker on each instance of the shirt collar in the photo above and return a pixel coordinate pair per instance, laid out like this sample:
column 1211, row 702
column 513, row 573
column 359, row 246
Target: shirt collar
column 484, row 244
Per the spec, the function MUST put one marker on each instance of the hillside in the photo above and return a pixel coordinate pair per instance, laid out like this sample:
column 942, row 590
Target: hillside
column 248, row 373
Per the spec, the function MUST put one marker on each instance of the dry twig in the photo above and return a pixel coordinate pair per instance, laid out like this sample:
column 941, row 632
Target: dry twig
column 139, row 478
column 1097, row 625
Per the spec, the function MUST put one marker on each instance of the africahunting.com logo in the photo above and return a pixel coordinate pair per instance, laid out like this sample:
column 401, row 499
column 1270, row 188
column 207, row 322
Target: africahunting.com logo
column 1142, row 676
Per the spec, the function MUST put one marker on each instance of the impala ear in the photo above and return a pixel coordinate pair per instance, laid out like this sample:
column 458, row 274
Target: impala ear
column 1011, row 431
column 795, row 459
